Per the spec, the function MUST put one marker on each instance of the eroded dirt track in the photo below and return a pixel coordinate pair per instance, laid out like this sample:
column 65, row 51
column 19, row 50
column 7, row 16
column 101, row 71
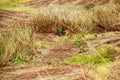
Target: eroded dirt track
column 9, row 18
column 113, row 42
column 74, row 72
column 38, row 3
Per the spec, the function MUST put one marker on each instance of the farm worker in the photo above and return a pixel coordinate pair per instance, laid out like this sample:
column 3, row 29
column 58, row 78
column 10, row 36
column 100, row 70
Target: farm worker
column 61, row 31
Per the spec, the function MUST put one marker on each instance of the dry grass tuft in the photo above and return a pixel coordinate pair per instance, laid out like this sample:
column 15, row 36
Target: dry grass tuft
column 72, row 18
column 16, row 46
column 76, row 19
column 108, row 16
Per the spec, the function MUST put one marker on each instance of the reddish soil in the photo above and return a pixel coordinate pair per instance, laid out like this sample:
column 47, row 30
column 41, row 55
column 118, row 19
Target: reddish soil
column 115, row 73
column 115, row 40
column 37, row 3
column 9, row 18
column 61, row 53
column 115, row 46
column 11, row 69
column 48, row 72
column 84, row 78
column 46, row 36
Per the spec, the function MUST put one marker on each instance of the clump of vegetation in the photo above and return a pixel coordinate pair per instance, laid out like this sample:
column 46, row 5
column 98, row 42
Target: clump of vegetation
column 107, row 16
column 17, row 1
column 89, row 6
column 75, row 19
column 105, row 54
column 6, row 2
column 14, row 6
column 16, row 46
column 90, row 36
column 80, row 42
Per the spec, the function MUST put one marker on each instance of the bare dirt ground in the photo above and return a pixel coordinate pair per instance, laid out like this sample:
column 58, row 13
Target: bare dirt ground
column 113, row 41
column 45, row 67
column 74, row 72
column 38, row 3
column 55, row 51
column 115, row 71
column 9, row 18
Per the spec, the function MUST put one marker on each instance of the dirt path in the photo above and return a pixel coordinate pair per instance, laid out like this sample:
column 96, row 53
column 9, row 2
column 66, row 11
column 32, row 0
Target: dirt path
column 113, row 41
column 74, row 72
column 56, row 49
column 38, row 3
column 9, row 18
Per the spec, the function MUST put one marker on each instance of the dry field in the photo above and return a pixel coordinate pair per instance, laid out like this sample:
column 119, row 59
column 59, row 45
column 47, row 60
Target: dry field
column 48, row 50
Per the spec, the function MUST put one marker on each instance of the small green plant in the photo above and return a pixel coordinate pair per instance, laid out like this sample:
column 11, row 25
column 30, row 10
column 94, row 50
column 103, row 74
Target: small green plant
column 80, row 42
column 14, row 6
column 81, row 59
column 89, row 6
column 107, row 53
column 104, row 54
column 90, row 35
column 43, row 44
column 16, row 1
